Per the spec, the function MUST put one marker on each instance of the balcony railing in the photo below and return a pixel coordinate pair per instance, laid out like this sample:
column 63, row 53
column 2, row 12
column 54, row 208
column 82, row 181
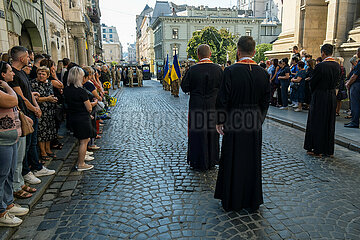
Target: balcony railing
column 93, row 14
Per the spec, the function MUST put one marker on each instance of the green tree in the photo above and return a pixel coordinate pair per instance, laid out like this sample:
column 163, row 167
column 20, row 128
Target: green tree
column 220, row 41
column 260, row 52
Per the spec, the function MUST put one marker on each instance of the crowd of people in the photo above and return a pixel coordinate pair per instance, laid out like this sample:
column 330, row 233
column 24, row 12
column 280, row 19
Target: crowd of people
column 37, row 97
column 290, row 83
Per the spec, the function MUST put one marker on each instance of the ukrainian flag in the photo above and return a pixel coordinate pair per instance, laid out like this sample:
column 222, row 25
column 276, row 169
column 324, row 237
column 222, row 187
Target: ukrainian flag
column 166, row 70
column 175, row 70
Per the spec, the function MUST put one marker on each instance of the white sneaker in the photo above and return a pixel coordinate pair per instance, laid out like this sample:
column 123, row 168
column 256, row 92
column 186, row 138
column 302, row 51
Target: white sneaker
column 85, row 167
column 284, row 108
column 31, row 179
column 17, row 210
column 9, row 220
column 89, row 158
column 291, row 105
column 44, row 172
column 298, row 110
column 89, row 153
column 295, row 106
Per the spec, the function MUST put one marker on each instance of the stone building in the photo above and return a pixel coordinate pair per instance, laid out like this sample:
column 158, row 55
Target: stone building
column 59, row 28
column 311, row 23
column 174, row 29
column 145, row 44
column 57, row 39
column 25, row 25
column 112, row 52
column 131, row 57
column 109, row 34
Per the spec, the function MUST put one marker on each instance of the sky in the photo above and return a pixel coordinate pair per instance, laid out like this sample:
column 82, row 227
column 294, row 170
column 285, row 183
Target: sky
column 122, row 13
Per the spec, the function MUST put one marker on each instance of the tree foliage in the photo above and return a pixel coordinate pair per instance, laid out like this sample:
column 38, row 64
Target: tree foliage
column 220, row 41
column 260, row 52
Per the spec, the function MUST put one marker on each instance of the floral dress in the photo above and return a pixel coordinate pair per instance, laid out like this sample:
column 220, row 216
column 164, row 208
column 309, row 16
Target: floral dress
column 46, row 128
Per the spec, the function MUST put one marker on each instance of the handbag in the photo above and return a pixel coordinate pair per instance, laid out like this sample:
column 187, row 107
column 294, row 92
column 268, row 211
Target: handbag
column 26, row 126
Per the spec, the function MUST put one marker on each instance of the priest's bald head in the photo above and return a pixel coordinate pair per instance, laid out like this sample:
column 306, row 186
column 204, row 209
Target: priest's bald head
column 203, row 51
column 246, row 46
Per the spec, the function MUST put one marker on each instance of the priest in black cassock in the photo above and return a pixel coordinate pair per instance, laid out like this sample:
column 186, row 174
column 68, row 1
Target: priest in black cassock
column 320, row 128
column 242, row 105
column 202, row 81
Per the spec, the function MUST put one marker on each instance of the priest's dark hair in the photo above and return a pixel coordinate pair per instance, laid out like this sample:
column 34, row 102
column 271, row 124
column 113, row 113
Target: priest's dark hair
column 328, row 49
column 203, row 51
column 246, row 45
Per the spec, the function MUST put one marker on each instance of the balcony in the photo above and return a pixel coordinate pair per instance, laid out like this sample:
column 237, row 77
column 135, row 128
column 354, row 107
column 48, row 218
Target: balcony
column 93, row 14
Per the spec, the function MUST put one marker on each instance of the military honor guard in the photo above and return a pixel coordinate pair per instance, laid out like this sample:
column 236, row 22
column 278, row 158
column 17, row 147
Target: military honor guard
column 241, row 106
column 202, row 81
column 131, row 77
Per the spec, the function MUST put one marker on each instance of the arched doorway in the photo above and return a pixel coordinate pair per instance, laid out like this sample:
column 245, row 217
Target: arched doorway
column 54, row 52
column 30, row 37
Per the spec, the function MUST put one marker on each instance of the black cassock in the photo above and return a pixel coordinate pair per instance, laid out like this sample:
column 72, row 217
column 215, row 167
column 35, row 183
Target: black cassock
column 203, row 82
column 320, row 128
column 242, row 104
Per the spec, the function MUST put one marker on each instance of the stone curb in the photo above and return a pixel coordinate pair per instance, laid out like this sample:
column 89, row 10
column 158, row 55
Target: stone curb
column 69, row 144
column 339, row 140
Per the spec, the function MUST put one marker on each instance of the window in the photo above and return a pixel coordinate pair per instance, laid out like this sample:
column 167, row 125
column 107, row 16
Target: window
column 175, row 33
column 104, row 30
column 248, row 33
column 104, row 36
column 110, row 51
column 110, row 30
column 176, row 50
column 110, row 36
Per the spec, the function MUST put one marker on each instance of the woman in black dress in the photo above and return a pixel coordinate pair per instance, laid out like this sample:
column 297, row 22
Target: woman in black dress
column 78, row 108
column 47, row 100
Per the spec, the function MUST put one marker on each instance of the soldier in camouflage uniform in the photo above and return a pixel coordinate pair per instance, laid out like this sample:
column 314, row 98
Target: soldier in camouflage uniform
column 118, row 76
column 131, row 77
column 113, row 77
column 139, row 76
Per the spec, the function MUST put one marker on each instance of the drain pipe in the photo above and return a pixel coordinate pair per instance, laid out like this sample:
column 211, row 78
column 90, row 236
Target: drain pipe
column 44, row 23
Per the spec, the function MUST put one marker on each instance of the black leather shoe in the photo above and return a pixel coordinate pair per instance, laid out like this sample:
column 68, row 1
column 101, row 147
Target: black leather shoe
column 350, row 126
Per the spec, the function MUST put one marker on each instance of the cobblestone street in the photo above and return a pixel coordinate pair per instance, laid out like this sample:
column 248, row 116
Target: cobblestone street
column 142, row 188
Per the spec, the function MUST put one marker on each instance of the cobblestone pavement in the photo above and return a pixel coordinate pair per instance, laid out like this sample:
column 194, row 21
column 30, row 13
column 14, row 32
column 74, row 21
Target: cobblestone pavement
column 141, row 187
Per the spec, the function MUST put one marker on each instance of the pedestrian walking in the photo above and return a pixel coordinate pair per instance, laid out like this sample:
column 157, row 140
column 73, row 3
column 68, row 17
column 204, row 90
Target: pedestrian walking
column 241, row 106
column 320, row 128
column 202, row 81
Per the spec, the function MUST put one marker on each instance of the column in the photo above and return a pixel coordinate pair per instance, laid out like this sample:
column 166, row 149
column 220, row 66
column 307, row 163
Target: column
column 82, row 51
column 4, row 38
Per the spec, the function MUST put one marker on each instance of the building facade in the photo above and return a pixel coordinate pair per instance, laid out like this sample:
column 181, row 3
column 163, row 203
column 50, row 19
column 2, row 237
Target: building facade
column 271, row 10
column 173, row 32
column 112, row 52
column 145, row 53
column 109, row 34
column 131, row 57
column 309, row 24
column 59, row 28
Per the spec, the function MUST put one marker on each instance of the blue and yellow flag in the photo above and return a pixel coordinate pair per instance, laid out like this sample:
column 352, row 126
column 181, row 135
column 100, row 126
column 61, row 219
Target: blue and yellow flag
column 166, row 70
column 175, row 70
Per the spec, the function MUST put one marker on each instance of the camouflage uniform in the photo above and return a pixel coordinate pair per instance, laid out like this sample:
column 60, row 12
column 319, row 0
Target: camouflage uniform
column 139, row 77
column 131, row 77
column 175, row 88
column 118, row 77
column 113, row 76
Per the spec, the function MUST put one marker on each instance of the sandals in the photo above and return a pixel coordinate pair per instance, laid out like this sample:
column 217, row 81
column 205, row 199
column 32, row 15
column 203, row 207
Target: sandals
column 21, row 194
column 348, row 117
column 45, row 159
column 28, row 189
column 57, row 146
column 52, row 155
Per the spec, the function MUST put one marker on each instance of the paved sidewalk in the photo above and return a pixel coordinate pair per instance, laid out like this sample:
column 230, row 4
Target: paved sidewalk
column 346, row 137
